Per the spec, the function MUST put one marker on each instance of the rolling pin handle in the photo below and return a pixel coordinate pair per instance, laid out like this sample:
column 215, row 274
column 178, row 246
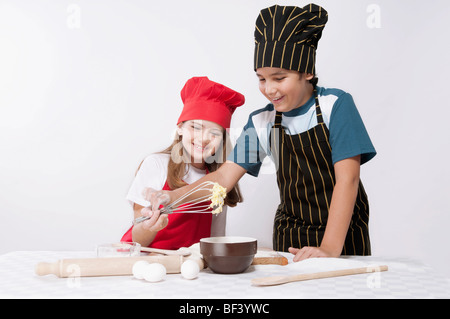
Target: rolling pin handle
column 43, row 269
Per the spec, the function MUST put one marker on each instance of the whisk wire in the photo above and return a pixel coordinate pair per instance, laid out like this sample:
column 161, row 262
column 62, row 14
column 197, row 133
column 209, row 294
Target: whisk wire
column 199, row 187
column 188, row 207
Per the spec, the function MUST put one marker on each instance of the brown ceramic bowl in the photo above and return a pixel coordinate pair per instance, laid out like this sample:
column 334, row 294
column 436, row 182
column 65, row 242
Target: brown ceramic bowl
column 228, row 254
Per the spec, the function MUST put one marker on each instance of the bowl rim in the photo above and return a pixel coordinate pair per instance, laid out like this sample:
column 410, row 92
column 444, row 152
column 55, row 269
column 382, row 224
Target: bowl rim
column 228, row 240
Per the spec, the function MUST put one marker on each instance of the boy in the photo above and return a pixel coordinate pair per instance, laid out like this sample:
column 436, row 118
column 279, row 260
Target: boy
column 314, row 135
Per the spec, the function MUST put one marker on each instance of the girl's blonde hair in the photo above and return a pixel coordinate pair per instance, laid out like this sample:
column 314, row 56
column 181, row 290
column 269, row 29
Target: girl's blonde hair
column 177, row 166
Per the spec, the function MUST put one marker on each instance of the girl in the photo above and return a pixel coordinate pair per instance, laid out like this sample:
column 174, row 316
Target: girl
column 314, row 135
column 199, row 147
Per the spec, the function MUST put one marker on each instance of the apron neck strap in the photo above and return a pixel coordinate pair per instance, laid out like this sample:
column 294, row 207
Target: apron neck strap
column 318, row 110
column 278, row 117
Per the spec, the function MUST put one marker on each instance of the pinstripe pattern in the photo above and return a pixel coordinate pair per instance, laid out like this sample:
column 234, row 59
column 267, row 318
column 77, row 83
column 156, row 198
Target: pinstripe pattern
column 287, row 37
column 306, row 181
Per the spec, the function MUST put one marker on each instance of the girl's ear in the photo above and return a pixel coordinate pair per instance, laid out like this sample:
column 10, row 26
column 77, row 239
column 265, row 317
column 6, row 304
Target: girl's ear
column 179, row 129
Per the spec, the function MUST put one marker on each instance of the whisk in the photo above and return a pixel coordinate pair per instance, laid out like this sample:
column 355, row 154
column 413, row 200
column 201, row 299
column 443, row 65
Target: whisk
column 197, row 205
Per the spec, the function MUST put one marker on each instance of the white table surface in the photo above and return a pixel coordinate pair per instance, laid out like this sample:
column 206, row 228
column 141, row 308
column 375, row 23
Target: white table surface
column 405, row 279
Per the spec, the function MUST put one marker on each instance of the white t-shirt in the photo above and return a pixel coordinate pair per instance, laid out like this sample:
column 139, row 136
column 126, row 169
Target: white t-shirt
column 153, row 174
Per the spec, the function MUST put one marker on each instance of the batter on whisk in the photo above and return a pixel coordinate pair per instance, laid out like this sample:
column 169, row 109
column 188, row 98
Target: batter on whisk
column 199, row 147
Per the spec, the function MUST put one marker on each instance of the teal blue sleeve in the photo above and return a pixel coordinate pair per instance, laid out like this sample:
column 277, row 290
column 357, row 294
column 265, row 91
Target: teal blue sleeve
column 348, row 135
column 247, row 152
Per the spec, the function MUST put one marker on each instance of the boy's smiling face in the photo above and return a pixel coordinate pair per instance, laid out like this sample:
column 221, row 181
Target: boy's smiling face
column 285, row 89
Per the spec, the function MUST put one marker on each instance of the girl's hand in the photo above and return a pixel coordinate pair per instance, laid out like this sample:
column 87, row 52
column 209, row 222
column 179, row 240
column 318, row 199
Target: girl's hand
column 308, row 252
column 156, row 198
column 156, row 222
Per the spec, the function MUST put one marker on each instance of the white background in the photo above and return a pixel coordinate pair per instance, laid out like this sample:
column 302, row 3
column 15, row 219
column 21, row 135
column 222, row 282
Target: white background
column 89, row 88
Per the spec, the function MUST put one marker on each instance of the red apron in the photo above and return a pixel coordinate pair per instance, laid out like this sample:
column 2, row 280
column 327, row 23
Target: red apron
column 183, row 230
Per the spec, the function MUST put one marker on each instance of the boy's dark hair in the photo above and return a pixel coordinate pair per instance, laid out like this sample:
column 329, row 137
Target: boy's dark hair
column 314, row 81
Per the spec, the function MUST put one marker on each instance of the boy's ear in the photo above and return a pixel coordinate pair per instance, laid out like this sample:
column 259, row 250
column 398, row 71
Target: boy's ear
column 309, row 76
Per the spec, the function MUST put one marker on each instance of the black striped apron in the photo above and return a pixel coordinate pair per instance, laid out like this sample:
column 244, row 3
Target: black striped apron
column 306, row 180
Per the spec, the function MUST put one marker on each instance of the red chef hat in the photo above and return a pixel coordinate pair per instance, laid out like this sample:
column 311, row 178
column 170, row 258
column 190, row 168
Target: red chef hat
column 207, row 100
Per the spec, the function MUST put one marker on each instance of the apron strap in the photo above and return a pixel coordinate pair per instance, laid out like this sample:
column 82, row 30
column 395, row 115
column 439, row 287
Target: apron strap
column 318, row 110
column 278, row 118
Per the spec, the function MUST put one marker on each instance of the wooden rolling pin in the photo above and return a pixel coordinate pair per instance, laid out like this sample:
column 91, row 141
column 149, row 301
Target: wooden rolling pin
column 113, row 266
column 123, row 266
column 280, row 260
column 267, row 256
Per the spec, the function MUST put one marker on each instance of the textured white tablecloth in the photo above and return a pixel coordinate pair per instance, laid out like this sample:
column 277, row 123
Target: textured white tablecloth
column 404, row 279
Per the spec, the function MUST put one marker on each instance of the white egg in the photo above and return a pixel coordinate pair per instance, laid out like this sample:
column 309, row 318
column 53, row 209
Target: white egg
column 154, row 272
column 139, row 269
column 190, row 269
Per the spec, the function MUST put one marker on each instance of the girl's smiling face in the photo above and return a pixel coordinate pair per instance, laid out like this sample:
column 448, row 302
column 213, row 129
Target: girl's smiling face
column 285, row 89
column 200, row 139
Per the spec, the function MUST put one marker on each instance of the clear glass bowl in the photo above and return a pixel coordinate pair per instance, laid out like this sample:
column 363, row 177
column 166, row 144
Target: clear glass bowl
column 121, row 249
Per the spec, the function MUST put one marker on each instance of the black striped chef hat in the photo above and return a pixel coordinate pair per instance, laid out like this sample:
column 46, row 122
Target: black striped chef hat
column 287, row 37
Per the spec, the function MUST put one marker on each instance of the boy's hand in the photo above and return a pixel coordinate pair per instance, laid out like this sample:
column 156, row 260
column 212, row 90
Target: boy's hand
column 156, row 198
column 308, row 252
